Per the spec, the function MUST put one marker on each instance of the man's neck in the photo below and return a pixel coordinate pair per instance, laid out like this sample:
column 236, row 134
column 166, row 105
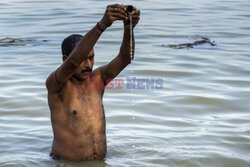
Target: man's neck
column 76, row 81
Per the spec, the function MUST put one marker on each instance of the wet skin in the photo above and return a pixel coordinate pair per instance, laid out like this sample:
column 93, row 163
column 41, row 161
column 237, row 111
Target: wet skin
column 78, row 119
column 77, row 113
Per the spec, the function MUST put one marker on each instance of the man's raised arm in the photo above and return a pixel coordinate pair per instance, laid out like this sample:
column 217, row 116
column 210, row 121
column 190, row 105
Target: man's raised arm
column 58, row 78
column 112, row 69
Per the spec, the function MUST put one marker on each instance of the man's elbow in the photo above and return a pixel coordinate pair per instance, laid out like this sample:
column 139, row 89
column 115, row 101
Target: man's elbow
column 124, row 59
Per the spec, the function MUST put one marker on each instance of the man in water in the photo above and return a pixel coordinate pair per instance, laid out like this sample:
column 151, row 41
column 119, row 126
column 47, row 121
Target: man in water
column 77, row 113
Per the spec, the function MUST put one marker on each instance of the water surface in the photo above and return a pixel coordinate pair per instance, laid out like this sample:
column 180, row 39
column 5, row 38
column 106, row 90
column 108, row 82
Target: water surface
column 200, row 117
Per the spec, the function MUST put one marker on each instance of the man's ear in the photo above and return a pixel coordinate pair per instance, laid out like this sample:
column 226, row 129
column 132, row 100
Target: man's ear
column 64, row 58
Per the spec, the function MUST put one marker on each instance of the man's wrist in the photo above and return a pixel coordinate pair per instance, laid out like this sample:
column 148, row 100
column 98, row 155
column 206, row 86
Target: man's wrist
column 127, row 28
column 101, row 26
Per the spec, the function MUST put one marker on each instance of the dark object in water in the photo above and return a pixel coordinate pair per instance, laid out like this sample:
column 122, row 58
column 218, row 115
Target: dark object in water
column 10, row 41
column 15, row 41
column 191, row 45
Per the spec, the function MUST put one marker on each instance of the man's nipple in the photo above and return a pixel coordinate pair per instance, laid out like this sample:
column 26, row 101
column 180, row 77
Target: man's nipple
column 74, row 112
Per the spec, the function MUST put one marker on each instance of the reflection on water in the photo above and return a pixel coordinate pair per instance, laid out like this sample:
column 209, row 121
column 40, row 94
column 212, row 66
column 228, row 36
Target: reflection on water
column 200, row 117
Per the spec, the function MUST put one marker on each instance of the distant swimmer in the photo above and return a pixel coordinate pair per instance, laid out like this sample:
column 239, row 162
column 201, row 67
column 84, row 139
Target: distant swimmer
column 77, row 113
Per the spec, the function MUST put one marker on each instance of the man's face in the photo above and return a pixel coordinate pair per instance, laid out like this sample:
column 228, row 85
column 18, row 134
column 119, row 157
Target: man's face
column 84, row 70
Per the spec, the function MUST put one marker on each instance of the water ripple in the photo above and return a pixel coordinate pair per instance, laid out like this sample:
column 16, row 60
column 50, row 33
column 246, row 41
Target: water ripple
column 199, row 118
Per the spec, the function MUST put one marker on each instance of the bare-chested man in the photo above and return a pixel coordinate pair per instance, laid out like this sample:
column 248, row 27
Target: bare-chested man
column 77, row 113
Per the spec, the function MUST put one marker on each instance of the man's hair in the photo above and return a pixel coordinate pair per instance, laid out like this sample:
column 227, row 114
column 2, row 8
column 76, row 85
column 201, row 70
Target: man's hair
column 69, row 43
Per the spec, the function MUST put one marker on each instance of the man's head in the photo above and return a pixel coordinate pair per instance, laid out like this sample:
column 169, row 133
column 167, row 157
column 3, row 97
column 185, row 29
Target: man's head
column 85, row 68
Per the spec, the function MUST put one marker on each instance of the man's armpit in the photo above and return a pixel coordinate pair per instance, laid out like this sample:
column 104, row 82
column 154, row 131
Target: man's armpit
column 51, row 83
column 58, row 82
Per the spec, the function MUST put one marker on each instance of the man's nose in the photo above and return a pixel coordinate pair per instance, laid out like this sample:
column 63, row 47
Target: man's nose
column 87, row 63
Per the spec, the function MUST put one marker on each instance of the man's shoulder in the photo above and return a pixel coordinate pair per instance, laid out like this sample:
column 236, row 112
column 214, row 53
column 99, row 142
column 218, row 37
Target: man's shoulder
column 97, row 72
column 52, row 84
column 49, row 80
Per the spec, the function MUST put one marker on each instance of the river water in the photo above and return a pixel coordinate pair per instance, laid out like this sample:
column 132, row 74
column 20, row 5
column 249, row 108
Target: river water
column 201, row 116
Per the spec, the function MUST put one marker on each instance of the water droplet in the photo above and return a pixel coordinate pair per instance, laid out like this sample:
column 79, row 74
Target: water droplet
column 131, row 36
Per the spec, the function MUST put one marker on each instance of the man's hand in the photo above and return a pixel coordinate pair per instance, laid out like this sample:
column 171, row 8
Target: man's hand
column 135, row 19
column 113, row 13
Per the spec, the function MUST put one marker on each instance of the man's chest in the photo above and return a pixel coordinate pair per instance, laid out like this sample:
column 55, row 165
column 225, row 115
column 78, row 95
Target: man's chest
column 83, row 99
column 84, row 109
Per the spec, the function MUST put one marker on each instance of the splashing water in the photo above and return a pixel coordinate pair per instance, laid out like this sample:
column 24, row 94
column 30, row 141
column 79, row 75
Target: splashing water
column 133, row 90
